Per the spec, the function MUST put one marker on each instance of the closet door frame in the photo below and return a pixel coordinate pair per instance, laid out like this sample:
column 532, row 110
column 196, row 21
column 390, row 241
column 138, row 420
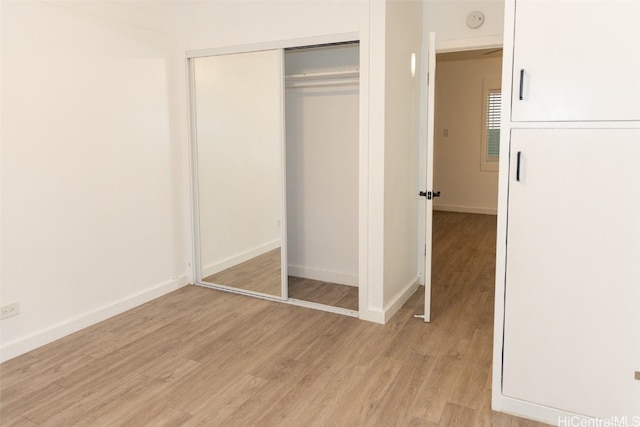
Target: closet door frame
column 280, row 45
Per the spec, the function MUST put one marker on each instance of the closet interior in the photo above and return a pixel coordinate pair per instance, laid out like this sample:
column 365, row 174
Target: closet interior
column 322, row 151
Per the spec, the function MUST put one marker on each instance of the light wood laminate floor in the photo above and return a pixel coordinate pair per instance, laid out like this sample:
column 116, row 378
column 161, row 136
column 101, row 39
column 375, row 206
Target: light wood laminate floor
column 203, row 357
column 324, row 292
column 259, row 274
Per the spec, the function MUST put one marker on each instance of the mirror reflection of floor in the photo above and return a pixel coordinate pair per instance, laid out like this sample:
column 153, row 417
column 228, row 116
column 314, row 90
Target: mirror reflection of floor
column 324, row 292
column 259, row 274
column 262, row 274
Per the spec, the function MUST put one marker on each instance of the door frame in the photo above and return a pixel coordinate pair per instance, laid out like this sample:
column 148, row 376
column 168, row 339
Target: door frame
column 442, row 47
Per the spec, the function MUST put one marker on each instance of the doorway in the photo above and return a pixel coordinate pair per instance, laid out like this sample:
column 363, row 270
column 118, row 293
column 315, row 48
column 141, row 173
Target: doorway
column 465, row 171
column 466, row 143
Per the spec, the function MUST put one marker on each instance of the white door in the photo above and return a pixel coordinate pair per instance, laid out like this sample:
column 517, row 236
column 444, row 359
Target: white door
column 428, row 191
column 573, row 261
column 576, row 60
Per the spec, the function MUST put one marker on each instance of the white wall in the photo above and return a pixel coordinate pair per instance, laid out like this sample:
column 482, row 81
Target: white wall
column 214, row 23
column 94, row 144
column 93, row 164
column 464, row 186
column 322, row 168
column 239, row 138
column 402, row 120
column 448, row 19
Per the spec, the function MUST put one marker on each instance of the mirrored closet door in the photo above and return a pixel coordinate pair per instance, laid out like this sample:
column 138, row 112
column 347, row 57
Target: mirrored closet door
column 238, row 137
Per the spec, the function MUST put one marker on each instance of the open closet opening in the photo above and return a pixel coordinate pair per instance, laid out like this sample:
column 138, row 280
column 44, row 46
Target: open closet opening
column 322, row 155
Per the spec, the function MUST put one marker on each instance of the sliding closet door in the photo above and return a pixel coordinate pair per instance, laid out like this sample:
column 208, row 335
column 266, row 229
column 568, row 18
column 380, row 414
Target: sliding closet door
column 238, row 120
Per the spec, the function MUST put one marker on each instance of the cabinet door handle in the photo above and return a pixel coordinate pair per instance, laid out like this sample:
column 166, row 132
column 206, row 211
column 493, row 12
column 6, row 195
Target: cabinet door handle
column 521, row 93
column 518, row 166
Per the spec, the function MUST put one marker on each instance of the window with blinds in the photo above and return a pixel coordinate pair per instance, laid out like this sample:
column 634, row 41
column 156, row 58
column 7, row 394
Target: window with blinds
column 491, row 131
column 493, row 124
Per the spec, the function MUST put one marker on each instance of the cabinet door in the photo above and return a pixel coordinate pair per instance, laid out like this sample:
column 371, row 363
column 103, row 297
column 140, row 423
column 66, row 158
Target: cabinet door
column 579, row 60
column 572, row 320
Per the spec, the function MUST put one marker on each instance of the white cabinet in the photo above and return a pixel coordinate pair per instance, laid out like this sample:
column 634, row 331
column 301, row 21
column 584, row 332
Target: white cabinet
column 572, row 313
column 576, row 61
column 568, row 258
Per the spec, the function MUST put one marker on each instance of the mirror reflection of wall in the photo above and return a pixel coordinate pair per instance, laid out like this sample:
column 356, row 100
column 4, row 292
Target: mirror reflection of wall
column 322, row 151
column 239, row 137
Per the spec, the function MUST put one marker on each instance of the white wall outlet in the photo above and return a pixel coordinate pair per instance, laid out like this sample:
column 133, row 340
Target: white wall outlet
column 9, row 310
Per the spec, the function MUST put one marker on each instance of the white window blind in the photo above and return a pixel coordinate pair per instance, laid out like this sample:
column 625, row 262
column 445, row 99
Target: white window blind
column 494, row 100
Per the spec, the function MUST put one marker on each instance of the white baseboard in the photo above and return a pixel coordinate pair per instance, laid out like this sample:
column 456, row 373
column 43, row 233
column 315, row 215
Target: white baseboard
column 400, row 298
column 236, row 259
column 466, row 209
column 383, row 316
column 67, row 327
column 323, row 275
column 376, row 316
column 544, row 414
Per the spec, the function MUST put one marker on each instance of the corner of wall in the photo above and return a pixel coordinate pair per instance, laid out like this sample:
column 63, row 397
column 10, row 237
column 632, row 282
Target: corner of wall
column 400, row 298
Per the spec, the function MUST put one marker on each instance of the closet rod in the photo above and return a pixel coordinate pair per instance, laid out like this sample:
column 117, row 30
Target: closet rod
column 323, row 82
column 323, row 75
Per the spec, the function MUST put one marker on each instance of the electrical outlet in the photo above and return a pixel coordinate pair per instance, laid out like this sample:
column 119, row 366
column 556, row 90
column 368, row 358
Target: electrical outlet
column 9, row 310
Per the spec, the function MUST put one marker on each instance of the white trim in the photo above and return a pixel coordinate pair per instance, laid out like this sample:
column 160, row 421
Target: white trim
column 400, row 298
column 544, row 414
column 429, row 165
column 322, row 307
column 323, row 275
column 240, row 291
column 239, row 258
column 466, row 209
column 363, row 161
column 274, row 44
column 376, row 316
column 274, row 298
column 457, row 45
column 284, row 243
column 193, row 172
column 69, row 326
